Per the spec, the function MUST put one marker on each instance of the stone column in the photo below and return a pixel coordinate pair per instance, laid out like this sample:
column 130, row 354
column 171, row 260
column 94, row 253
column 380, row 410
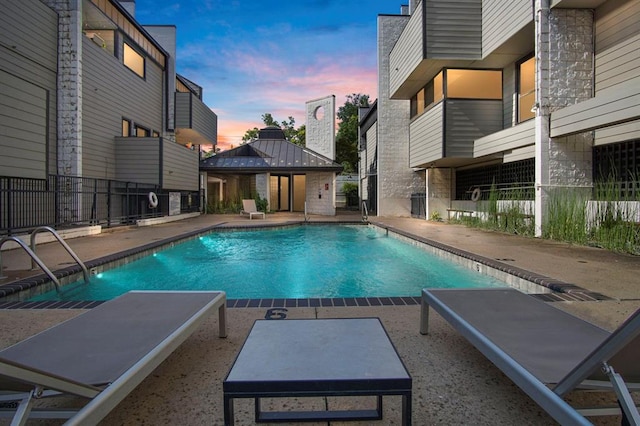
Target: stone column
column 69, row 104
column 564, row 76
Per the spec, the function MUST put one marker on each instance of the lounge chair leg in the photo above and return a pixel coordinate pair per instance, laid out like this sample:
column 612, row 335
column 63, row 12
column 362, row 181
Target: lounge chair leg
column 629, row 412
column 424, row 317
column 23, row 410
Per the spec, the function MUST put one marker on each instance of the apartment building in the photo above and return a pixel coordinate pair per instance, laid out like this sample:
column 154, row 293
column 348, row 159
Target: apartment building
column 517, row 95
column 94, row 116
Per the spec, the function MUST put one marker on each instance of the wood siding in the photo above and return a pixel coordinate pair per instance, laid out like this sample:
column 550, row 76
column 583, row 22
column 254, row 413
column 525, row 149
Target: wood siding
column 110, row 92
column 192, row 113
column 617, row 28
column 614, row 106
column 408, row 51
column 426, row 137
column 621, row 132
column 180, row 167
column 138, row 160
column 509, row 96
column 28, row 66
column 468, row 120
column 506, row 140
column 453, row 29
column 501, row 20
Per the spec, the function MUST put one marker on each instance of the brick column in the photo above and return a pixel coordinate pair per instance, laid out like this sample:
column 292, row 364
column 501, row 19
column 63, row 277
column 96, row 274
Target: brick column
column 564, row 76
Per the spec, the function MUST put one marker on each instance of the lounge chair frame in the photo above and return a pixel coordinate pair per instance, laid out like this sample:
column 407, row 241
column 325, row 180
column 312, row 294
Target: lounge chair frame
column 22, row 384
column 548, row 395
column 249, row 208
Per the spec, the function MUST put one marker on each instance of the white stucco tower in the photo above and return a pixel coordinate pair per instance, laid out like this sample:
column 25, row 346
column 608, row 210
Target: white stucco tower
column 321, row 126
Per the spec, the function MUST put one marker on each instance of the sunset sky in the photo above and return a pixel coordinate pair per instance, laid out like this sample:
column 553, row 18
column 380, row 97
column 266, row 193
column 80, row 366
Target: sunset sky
column 258, row 56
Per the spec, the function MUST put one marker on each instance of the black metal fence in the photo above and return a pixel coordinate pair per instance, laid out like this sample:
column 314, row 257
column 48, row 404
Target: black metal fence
column 419, row 205
column 65, row 202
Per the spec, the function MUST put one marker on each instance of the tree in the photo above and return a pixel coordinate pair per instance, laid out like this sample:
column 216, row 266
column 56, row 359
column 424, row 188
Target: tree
column 293, row 135
column 347, row 137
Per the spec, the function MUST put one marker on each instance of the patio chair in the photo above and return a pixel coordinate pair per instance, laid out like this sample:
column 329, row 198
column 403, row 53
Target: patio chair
column 249, row 208
column 102, row 354
column 545, row 351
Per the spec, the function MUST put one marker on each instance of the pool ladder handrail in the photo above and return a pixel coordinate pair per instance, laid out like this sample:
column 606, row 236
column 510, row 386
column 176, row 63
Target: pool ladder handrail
column 85, row 272
column 365, row 212
column 34, row 258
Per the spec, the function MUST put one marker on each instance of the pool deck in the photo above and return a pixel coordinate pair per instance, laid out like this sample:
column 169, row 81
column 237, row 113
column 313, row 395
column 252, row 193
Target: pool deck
column 452, row 382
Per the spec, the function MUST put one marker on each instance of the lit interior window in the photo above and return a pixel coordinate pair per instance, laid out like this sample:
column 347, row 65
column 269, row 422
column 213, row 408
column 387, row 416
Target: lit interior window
column 527, row 89
column 133, row 60
column 474, row 84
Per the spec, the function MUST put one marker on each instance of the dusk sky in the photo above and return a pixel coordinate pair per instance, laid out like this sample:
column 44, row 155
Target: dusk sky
column 258, row 56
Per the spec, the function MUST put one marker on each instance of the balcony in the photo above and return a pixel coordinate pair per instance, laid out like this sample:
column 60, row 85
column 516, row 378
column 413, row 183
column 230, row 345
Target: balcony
column 157, row 161
column 195, row 122
column 439, row 33
column 461, row 34
column 445, row 134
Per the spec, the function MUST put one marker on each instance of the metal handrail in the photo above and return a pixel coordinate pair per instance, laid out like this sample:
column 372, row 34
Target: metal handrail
column 85, row 272
column 34, row 258
column 365, row 212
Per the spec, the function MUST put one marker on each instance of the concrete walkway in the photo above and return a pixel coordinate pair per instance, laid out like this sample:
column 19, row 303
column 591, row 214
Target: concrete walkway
column 453, row 383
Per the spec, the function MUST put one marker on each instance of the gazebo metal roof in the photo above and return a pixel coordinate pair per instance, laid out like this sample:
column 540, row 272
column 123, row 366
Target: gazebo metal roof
column 269, row 153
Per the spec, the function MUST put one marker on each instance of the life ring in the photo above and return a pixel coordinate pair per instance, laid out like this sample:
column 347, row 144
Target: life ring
column 153, row 200
column 475, row 195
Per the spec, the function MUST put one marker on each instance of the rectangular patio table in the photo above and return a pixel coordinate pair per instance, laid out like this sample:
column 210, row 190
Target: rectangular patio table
column 317, row 357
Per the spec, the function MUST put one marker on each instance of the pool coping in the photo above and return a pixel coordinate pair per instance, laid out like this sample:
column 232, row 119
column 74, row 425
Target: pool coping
column 557, row 290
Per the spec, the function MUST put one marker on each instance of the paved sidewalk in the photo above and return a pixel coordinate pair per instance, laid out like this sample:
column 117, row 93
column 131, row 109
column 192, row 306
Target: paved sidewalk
column 453, row 383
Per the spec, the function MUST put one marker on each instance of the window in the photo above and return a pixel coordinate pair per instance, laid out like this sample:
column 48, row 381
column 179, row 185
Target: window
column 427, row 96
column 155, row 134
column 474, row 84
column 141, row 132
column 126, row 127
column 526, row 89
column 133, row 60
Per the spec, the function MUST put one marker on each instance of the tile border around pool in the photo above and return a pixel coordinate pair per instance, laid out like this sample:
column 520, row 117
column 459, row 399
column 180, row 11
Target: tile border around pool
column 556, row 290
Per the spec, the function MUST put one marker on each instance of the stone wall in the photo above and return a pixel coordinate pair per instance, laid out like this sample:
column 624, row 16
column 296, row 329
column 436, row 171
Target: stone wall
column 321, row 126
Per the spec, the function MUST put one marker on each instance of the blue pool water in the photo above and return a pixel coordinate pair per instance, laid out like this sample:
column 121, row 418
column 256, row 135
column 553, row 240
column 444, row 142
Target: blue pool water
column 297, row 262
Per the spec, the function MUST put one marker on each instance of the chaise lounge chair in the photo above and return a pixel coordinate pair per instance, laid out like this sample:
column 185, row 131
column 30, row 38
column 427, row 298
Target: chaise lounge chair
column 545, row 351
column 249, row 207
column 101, row 355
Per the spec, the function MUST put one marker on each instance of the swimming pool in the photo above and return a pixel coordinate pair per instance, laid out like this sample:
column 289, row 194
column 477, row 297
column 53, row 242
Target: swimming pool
column 296, row 262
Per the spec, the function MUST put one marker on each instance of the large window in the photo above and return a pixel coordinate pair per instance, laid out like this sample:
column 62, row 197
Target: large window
column 133, row 60
column 429, row 95
column 126, row 127
column 460, row 84
column 474, row 84
column 526, row 89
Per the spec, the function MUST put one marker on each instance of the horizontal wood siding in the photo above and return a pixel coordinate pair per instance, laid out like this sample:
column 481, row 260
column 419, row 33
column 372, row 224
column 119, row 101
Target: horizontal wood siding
column 23, row 128
column 183, row 110
column 610, row 107
column 617, row 28
column 180, row 167
column 621, row 132
column 453, row 29
column 506, row 140
column 468, row 120
column 520, row 154
column 408, row 51
column 28, row 66
column 501, row 20
column 426, row 137
column 192, row 113
column 204, row 121
column 110, row 92
column 137, row 160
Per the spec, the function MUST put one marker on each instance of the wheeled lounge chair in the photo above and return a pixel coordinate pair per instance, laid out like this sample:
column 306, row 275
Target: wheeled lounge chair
column 545, row 351
column 102, row 354
column 249, row 208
